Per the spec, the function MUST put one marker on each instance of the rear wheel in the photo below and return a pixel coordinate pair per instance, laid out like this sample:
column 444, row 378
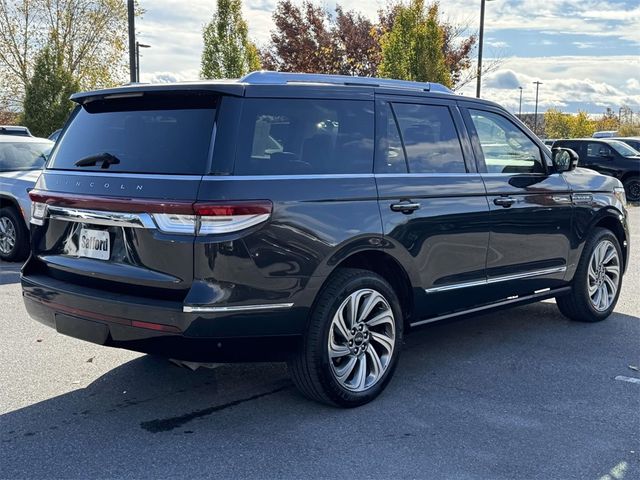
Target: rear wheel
column 352, row 344
column 597, row 281
column 14, row 236
column 632, row 189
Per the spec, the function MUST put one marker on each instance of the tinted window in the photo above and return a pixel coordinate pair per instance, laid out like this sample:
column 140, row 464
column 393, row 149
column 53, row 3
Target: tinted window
column 505, row 147
column 598, row 150
column 430, row 138
column 303, row 136
column 392, row 155
column 144, row 138
column 23, row 155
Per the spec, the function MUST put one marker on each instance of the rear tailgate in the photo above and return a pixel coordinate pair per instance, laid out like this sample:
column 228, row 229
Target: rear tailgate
column 114, row 208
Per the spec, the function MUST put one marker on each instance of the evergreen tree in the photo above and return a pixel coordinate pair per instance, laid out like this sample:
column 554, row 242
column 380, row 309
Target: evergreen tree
column 46, row 102
column 414, row 47
column 228, row 52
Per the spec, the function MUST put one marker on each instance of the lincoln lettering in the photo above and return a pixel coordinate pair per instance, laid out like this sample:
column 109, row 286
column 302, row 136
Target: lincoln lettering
column 92, row 243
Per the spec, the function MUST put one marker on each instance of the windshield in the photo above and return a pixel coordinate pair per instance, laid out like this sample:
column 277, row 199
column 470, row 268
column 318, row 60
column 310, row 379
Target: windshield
column 16, row 156
column 166, row 136
column 624, row 149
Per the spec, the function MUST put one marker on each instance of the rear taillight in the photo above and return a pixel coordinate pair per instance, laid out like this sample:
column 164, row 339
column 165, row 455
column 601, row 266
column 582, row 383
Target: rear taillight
column 38, row 212
column 199, row 218
column 215, row 218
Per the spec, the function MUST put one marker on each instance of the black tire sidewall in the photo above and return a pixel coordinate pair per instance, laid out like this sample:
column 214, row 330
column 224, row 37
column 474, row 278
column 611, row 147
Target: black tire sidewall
column 627, row 185
column 581, row 287
column 334, row 390
column 22, row 235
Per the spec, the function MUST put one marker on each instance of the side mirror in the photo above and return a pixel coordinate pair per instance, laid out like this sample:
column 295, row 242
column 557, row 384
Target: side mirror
column 564, row 159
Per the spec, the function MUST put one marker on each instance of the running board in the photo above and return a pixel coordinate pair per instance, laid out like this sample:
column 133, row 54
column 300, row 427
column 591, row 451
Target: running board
column 534, row 297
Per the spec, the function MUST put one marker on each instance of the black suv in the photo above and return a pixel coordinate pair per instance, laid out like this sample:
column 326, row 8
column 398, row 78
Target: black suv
column 610, row 157
column 311, row 219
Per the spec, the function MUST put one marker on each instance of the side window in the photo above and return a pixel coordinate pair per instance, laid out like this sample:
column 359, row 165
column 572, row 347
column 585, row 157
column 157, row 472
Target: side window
column 598, row 150
column 505, row 147
column 392, row 155
column 430, row 138
column 304, row 136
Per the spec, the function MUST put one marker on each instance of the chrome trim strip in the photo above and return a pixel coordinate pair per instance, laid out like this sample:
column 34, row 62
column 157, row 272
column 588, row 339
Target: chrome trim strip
column 234, row 308
column 96, row 217
column 482, row 308
column 287, row 177
column 489, row 281
column 157, row 176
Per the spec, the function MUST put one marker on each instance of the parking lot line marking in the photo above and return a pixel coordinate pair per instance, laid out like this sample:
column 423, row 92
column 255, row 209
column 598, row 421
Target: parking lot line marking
column 622, row 378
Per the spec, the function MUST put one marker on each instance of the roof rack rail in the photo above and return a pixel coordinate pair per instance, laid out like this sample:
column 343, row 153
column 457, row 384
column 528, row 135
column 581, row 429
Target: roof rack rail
column 282, row 78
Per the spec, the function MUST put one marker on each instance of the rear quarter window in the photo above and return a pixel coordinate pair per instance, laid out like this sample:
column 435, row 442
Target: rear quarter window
column 305, row 136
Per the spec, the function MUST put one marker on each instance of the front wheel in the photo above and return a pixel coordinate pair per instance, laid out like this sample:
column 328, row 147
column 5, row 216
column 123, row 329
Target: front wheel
column 353, row 340
column 597, row 281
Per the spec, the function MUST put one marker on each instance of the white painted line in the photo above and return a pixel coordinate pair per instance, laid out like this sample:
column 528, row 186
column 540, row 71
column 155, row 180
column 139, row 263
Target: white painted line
column 622, row 378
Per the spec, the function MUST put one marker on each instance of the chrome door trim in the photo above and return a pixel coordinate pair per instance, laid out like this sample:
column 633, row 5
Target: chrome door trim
column 503, row 278
column 116, row 175
column 234, row 308
column 97, row 217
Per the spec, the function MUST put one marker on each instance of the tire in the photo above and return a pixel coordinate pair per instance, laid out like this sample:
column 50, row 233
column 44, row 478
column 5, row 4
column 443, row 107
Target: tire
column 14, row 236
column 312, row 370
column 582, row 304
column 632, row 189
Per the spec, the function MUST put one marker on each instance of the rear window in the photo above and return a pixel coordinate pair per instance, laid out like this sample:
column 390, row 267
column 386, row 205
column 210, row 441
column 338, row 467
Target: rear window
column 145, row 135
column 304, row 136
column 23, row 155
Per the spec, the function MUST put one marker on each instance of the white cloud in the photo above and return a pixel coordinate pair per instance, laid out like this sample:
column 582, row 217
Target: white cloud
column 173, row 28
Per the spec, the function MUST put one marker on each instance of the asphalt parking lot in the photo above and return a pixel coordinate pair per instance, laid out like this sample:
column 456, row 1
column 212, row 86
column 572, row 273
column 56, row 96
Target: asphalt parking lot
column 522, row 393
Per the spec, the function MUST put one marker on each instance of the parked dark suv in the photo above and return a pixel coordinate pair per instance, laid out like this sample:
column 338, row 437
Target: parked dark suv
column 311, row 219
column 610, row 157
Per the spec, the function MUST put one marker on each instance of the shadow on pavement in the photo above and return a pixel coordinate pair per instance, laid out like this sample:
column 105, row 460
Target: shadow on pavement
column 518, row 393
column 9, row 272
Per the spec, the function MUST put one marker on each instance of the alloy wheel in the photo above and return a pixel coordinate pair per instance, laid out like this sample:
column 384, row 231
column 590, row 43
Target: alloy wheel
column 361, row 340
column 603, row 275
column 7, row 235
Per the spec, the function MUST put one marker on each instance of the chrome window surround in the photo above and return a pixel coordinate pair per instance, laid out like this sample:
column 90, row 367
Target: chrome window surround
column 489, row 281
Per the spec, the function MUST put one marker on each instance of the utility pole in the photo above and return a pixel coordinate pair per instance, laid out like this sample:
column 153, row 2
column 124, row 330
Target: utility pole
column 535, row 117
column 480, row 40
column 138, row 47
column 520, row 108
column 131, row 15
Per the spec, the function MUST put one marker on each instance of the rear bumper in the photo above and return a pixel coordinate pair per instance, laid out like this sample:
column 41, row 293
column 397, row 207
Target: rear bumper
column 162, row 327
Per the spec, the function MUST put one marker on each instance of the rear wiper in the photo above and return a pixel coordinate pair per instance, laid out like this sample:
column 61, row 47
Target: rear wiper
column 106, row 159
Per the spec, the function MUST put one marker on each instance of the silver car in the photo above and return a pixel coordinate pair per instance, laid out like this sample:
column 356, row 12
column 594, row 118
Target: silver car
column 21, row 161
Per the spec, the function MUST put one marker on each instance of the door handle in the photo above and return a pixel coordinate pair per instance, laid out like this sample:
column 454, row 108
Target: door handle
column 405, row 207
column 505, row 202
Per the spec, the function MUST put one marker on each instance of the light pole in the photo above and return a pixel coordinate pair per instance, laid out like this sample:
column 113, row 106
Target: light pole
column 131, row 16
column 520, row 107
column 138, row 47
column 535, row 115
column 480, row 42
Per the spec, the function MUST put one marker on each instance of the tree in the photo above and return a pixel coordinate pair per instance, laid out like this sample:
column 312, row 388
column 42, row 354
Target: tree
column 228, row 52
column 414, row 47
column 46, row 101
column 557, row 124
column 582, row 125
column 309, row 38
column 608, row 121
column 91, row 36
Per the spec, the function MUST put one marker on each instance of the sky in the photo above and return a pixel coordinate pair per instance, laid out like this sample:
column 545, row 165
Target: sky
column 586, row 53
